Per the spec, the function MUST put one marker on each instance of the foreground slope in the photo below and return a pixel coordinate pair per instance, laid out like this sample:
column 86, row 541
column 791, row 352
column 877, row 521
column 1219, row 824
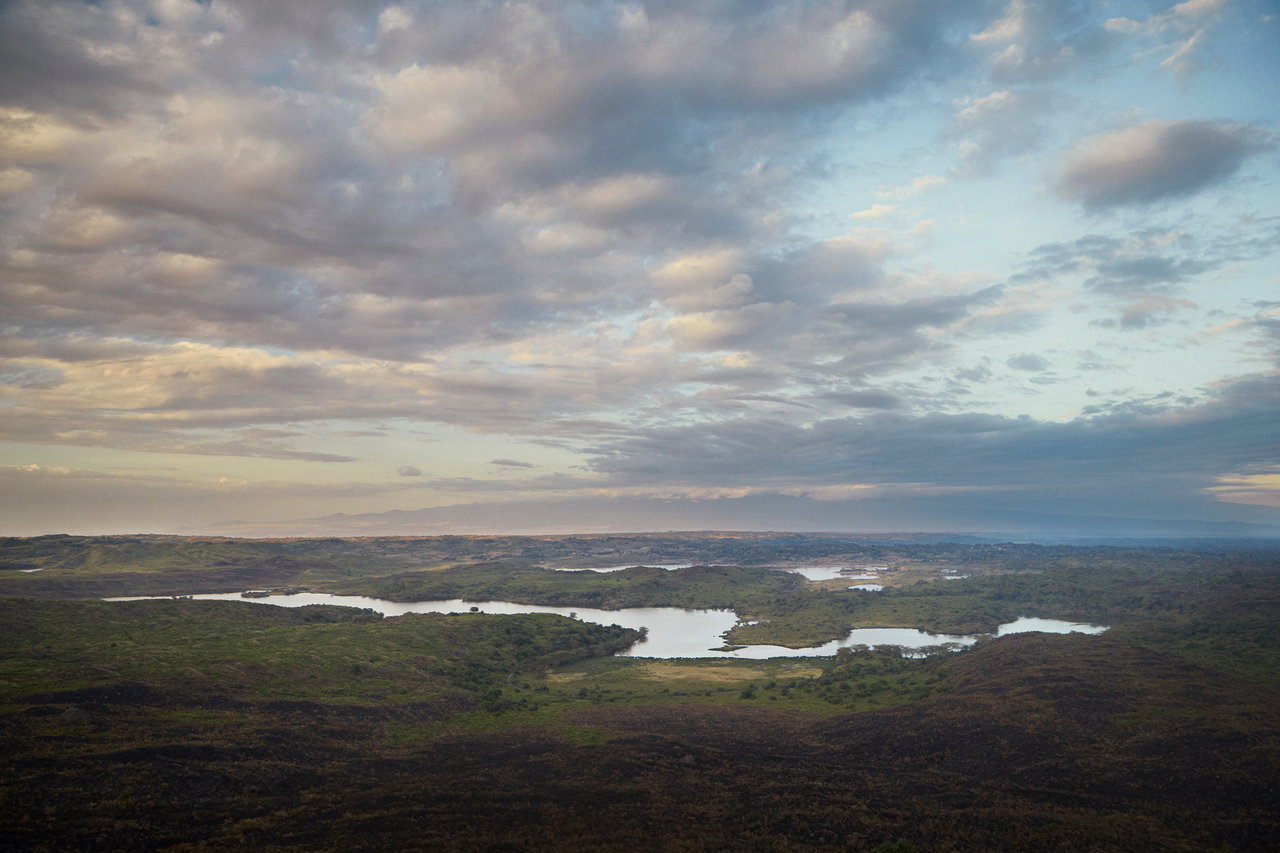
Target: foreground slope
column 1039, row 742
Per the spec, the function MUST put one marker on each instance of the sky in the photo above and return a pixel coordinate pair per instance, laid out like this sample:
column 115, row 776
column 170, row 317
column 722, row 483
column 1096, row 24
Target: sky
column 876, row 263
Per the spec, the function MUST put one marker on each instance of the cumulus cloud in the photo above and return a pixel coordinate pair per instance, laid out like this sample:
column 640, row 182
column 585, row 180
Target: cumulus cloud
column 408, row 471
column 1153, row 161
column 443, row 179
column 509, row 109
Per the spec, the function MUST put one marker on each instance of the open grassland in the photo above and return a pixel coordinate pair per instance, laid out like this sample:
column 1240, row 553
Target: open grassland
column 206, row 725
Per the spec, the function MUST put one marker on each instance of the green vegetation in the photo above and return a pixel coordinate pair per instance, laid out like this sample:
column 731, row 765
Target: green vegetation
column 183, row 724
column 1104, row 585
column 339, row 654
column 696, row 586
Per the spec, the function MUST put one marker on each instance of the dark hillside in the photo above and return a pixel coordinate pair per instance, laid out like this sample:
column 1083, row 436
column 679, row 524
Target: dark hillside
column 1041, row 743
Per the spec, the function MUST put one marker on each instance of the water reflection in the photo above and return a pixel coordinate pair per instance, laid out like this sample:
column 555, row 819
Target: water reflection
column 672, row 631
column 1024, row 624
column 832, row 573
column 670, row 567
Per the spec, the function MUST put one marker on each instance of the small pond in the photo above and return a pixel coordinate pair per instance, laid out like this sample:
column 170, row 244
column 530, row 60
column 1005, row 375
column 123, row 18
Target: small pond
column 670, row 567
column 836, row 573
column 1024, row 624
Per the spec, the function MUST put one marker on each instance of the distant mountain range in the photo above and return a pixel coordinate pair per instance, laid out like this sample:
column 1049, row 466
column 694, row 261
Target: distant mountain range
column 877, row 519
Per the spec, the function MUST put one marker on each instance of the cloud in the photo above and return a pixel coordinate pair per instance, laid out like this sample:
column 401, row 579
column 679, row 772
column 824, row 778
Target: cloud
column 1151, row 311
column 876, row 211
column 916, row 186
column 301, row 178
column 253, row 450
column 1179, row 449
column 1029, row 361
column 509, row 109
column 408, row 471
column 1038, row 41
column 1152, row 162
column 1190, row 22
column 42, row 64
column 512, row 463
column 33, row 377
column 1262, row 489
column 1150, row 273
column 869, row 399
column 997, row 125
column 1144, row 273
column 267, row 230
column 734, row 328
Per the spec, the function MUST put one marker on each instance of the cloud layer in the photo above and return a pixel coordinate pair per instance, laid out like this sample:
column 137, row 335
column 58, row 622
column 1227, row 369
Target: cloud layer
column 369, row 253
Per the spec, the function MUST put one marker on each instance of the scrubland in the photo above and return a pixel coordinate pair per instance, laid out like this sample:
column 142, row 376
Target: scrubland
column 202, row 725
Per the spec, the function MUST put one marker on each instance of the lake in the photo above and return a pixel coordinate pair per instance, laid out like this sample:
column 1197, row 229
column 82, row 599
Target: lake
column 670, row 567
column 832, row 573
column 813, row 573
column 673, row 632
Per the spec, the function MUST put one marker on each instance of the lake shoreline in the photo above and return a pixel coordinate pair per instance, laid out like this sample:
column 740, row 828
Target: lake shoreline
column 672, row 632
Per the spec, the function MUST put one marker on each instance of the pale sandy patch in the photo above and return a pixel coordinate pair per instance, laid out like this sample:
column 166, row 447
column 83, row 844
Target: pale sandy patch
column 562, row 677
column 663, row 671
column 668, row 671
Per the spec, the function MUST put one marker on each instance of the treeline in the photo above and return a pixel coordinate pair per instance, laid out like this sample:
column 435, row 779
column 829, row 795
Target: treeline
column 85, row 566
column 388, row 554
column 246, row 652
column 640, row 586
